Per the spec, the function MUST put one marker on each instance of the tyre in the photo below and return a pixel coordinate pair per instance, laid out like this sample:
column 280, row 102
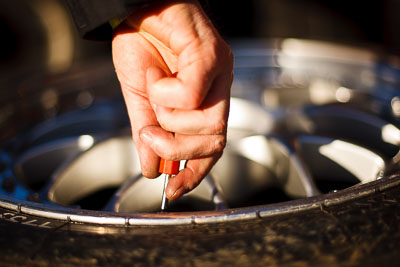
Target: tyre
column 309, row 176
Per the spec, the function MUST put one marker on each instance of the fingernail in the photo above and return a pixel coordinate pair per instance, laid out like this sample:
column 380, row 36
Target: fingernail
column 176, row 193
column 146, row 138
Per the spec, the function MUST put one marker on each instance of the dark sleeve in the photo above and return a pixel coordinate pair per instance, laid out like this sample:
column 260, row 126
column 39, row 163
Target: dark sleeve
column 92, row 16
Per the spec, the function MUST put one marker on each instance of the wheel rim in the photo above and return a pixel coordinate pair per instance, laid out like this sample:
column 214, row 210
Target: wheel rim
column 321, row 136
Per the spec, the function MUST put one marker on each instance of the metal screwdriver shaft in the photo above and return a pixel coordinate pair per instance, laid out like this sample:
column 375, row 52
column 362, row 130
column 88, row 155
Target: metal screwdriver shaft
column 164, row 201
column 168, row 168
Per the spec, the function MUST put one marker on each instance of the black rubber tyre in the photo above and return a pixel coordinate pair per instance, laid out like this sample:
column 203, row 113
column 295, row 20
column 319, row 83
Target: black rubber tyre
column 361, row 231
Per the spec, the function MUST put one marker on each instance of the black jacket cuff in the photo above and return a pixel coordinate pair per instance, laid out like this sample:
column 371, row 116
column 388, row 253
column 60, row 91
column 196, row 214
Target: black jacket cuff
column 92, row 16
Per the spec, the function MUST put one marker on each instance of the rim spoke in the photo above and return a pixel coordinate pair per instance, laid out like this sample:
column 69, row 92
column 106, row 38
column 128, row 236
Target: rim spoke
column 103, row 168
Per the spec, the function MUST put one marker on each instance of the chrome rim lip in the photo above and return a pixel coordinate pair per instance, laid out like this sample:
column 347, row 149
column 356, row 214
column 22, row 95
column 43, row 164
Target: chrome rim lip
column 70, row 215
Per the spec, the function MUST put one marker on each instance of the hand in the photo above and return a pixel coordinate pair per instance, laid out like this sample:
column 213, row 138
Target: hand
column 182, row 117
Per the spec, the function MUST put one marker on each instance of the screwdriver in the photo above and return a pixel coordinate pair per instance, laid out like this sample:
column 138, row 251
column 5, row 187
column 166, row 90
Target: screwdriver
column 168, row 168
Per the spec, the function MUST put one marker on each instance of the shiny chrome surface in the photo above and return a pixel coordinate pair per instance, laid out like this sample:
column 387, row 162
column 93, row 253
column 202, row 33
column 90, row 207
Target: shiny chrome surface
column 164, row 199
column 310, row 124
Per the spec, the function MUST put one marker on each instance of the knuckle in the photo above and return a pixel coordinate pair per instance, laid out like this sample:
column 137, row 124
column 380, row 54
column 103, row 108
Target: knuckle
column 231, row 58
column 224, row 53
column 219, row 126
column 214, row 49
column 219, row 144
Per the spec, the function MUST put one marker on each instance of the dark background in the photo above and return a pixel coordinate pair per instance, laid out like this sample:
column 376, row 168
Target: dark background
column 355, row 22
column 25, row 45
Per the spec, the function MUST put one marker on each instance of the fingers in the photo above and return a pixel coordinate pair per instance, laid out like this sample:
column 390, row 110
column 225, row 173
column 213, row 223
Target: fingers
column 194, row 80
column 188, row 178
column 195, row 121
column 202, row 151
column 141, row 115
column 182, row 92
column 194, row 104
column 210, row 118
column 198, row 68
column 180, row 147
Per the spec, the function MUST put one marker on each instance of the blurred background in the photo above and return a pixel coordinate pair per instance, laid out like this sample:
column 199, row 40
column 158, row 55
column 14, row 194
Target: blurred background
column 339, row 21
column 38, row 36
column 54, row 85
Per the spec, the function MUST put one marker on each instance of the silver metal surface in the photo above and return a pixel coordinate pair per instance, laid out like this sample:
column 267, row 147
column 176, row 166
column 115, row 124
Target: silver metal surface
column 108, row 164
column 164, row 199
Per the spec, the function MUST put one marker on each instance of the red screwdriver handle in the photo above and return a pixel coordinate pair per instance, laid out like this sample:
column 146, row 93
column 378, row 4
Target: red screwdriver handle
column 169, row 167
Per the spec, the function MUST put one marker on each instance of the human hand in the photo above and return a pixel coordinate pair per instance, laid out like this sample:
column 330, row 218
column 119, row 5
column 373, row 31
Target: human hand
column 182, row 117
